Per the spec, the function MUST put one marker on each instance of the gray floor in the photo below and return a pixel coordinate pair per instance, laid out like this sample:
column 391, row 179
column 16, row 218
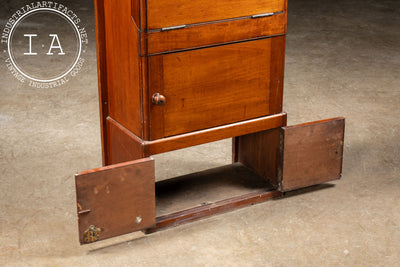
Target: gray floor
column 343, row 59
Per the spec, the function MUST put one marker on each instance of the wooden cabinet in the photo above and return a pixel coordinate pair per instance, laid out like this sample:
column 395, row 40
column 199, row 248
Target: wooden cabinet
column 174, row 74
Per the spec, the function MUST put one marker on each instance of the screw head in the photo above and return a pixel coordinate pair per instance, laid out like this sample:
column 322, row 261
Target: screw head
column 138, row 219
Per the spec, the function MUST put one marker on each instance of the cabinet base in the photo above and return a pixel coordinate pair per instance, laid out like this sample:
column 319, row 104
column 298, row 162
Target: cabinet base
column 199, row 195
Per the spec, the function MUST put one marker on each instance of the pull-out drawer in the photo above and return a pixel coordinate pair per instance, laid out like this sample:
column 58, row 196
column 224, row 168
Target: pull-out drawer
column 295, row 156
column 120, row 198
column 208, row 34
column 215, row 86
column 166, row 13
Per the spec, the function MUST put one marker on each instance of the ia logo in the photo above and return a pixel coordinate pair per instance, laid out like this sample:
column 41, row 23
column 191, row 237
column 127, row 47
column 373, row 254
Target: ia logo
column 45, row 44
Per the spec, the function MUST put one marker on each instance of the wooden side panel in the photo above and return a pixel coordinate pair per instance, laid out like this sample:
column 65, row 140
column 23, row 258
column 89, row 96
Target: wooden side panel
column 115, row 200
column 166, row 13
column 123, row 66
column 122, row 144
column 261, row 153
column 277, row 73
column 215, row 86
column 312, row 153
column 102, row 75
column 216, row 33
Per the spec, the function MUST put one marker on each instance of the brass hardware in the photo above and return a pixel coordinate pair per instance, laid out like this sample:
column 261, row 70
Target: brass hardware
column 158, row 99
column 91, row 234
column 173, row 28
column 83, row 211
column 262, row 15
column 138, row 219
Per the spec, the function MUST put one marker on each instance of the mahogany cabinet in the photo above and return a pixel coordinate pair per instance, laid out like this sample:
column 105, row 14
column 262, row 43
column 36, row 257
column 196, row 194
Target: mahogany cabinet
column 177, row 73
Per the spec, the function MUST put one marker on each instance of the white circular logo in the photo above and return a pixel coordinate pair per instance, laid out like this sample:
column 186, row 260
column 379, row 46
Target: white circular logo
column 45, row 43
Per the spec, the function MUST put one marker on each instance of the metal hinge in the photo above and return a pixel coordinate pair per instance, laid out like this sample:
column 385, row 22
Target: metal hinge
column 173, row 28
column 262, row 15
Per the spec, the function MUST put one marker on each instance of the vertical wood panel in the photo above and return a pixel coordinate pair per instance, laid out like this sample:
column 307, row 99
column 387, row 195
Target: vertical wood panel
column 277, row 73
column 102, row 75
column 313, row 153
column 116, row 199
column 122, row 144
column 123, row 66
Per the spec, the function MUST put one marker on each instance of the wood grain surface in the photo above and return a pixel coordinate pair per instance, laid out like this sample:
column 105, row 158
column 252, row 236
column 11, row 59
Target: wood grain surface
column 214, row 86
column 123, row 66
column 313, row 153
column 113, row 198
column 165, row 13
column 216, row 33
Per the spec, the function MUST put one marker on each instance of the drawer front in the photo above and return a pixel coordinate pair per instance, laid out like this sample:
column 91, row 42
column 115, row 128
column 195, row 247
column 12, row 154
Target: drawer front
column 167, row 13
column 216, row 33
column 215, row 86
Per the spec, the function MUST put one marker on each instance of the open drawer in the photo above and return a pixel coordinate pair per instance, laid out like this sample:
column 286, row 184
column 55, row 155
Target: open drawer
column 121, row 198
column 297, row 156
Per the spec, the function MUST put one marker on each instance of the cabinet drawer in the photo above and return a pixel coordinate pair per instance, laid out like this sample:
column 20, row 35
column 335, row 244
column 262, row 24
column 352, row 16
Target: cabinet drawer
column 216, row 33
column 166, row 13
column 215, row 86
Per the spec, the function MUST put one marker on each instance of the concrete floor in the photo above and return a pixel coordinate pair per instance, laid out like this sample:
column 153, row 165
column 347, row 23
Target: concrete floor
column 343, row 59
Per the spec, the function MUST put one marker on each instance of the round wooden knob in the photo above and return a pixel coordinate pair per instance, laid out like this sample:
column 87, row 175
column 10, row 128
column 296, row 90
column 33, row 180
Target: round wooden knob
column 158, row 99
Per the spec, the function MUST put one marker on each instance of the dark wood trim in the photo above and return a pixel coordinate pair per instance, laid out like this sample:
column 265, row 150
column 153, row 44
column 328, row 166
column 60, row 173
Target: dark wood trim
column 197, row 213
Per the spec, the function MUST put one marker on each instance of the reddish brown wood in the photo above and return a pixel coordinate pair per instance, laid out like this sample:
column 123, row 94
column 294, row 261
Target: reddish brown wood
column 261, row 152
column 277, row 73
column 166, row 13
column 117, row 199
column 214, row 134
column 123, row 65
column 216, row 33
column 239, row 88
column 102, row 75
column 123, row 145
column 136, row 12
column 312, row 153
column 156, row 85
column 207, row 210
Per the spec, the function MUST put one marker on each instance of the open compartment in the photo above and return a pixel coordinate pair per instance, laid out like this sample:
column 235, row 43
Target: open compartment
column 123, row 198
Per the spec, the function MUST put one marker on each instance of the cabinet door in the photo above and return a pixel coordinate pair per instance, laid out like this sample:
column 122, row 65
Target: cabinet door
column 115, row 200
column 215, row 86
column 312, row 153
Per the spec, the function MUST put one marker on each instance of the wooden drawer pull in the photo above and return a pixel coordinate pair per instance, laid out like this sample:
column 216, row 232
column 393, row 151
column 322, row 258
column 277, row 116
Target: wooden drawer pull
column 158, row 99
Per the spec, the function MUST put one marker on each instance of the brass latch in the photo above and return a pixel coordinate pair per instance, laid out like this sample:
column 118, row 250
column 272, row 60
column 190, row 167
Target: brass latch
column 91, row 234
